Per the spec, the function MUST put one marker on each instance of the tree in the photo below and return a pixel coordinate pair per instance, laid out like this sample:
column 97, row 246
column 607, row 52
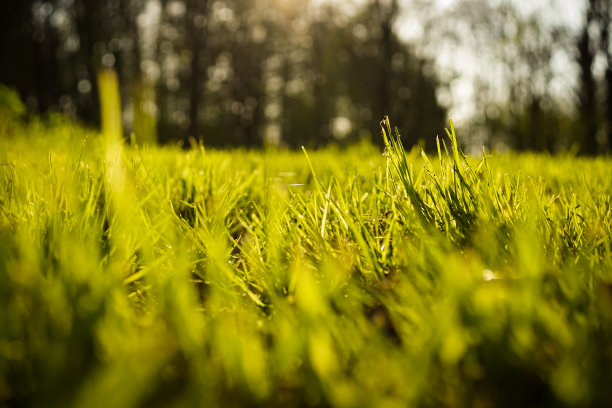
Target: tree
column 587, row 92
column 356, row 71
column 513, row 57
column 228, row 72
column 399, row 83
column 605, row 11
column 196, row 16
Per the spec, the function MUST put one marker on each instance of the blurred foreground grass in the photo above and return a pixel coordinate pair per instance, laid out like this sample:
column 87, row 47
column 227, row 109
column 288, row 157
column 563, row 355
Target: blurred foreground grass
column 138, row 276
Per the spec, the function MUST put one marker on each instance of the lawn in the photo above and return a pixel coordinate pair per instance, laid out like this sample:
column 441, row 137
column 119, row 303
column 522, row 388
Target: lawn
column 161, row 277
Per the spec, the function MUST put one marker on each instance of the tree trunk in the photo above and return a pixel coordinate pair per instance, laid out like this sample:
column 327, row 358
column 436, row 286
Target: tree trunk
column 588, row 102
column 197, row 43
column 605, row 46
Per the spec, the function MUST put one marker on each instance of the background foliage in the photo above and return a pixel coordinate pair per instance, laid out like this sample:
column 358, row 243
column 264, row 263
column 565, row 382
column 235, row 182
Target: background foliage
column 279, row 72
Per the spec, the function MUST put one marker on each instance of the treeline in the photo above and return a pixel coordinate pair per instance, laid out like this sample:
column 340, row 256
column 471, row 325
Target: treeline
column 541, row 72
column 227, row 72
column 281, row 72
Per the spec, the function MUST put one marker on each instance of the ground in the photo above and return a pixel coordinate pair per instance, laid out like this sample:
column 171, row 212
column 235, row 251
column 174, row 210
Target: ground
column 153, row 276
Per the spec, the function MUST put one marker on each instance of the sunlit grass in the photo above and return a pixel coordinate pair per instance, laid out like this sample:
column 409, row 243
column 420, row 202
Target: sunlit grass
column 144, row 276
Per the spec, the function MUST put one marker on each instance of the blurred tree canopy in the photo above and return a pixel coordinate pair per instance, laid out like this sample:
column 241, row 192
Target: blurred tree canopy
column 538, row 80
column 227, row 72
column 289, row 73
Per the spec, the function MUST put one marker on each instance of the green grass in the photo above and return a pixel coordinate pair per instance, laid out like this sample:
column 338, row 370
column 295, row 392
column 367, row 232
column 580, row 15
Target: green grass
column 140, row 276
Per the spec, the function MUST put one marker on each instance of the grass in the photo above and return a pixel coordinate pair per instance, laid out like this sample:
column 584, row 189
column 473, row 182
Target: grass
column 144, row 276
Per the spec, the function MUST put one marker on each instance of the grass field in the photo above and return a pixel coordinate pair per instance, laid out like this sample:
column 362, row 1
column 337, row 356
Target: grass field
column 158, row 277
